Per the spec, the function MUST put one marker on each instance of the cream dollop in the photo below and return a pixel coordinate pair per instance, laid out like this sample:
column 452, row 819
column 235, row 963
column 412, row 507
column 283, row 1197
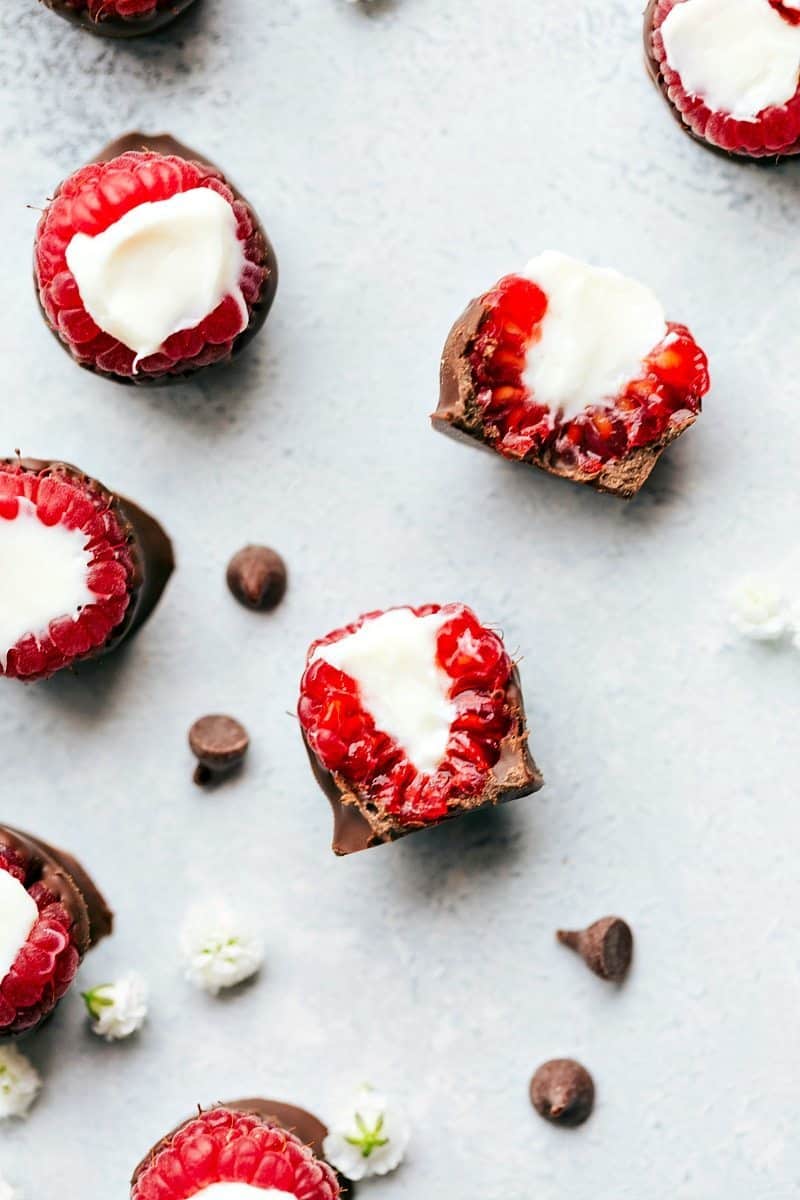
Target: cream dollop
column 238, row 1191
column 18, row 915
column 161, row 268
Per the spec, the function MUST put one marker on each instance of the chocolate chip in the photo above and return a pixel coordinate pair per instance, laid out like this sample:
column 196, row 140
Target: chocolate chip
column 257, row 577
column 606, row 947
column 562, row 1091
column 219, row 744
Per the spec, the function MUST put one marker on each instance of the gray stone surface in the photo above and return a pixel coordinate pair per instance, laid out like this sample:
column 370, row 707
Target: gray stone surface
column 403, row 157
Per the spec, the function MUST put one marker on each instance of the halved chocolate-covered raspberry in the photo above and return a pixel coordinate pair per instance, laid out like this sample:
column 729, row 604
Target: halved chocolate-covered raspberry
column 412, row 716
column 149, row 265
column 574, row 370
column 83, row 568
column 729, row 71
column 119, row 18
column 51, row 913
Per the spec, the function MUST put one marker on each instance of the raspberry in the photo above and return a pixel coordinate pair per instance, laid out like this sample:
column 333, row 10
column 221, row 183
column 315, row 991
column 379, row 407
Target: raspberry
column 774, row 133
column 374, row 768
column 100, row 10
column 119, row 18
column 227, row 1146
column 59, row 497
column 673, row 379
column 45, row 966
column 92, row 200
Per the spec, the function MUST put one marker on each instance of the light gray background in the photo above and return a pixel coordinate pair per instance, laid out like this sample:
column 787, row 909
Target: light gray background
column 403, row 158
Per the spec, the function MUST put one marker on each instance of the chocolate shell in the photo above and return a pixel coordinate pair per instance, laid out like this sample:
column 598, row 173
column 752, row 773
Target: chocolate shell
column 164, row 143
column 68, row 881
column 149, row 544
column 458, row 415
column 117, row 27
column 357, row 824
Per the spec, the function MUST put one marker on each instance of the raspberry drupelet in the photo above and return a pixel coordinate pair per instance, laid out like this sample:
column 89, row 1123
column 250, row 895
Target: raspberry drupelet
column 83, row 568
column 729, row 71
column 150, row 266
column 574, row 370
column 119, row 18
column 51, row 914
column 233, row 1153
column 410, row 717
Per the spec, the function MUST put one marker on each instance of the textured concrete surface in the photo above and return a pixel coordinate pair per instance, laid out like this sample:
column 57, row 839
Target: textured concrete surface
column 403, row 158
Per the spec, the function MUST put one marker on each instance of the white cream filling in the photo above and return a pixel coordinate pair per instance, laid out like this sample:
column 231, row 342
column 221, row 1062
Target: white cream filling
column 598, row 328
column 161, row 268
column 238, row 1191
column 738, row 56
column 392, row 658
column 18, row 914
column 44, row 572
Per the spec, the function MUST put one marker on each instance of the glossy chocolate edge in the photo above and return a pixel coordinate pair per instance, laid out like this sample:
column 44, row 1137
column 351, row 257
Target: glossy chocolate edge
column 513, row 776
column 164, row 143
column 304, row 1125
column 117, row 27
column 154, row 560
column 69, row 882
column 458, row 416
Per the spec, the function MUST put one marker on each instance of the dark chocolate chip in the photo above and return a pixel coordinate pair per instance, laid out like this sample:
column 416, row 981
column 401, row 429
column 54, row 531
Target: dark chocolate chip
column 606, row 947
column 257, row 577
column 562, row 1091
column 219, row 744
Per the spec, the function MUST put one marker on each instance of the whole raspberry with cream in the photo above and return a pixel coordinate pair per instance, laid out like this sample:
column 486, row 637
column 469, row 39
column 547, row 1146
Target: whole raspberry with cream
column 229, row 1154
column 574, row 369
column 412, row 716
column 82, row 568
column 730, row 69
column 50, row 915
column 149, row 266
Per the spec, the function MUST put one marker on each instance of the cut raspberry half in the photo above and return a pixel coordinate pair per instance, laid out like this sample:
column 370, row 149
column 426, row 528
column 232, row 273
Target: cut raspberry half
column 410, row 717
column 82, row 568
column 574, row 370
column 119, row 18
column 150, row 266
column 730, row 71
column 51, row 913
column 230, row 1154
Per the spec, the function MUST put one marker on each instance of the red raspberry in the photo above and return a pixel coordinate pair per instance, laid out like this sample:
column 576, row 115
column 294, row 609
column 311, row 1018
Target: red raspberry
column 46, row 965
column 94, row 198
column 75, row 502
column 225, row 1146
column 776, row 131
column 344, row 737
column 672, row 382
column 100, row 10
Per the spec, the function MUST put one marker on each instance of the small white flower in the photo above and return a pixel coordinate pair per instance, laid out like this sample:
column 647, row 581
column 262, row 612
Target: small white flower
column 369, row 1138
column 19, row 1083
column 118, row 1009
column 220, row 948
column 7, row 1192
column 759, row 610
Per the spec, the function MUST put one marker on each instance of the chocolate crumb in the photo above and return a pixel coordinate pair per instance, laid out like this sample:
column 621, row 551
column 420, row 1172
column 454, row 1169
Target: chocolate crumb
column 606, row 947
column 219, row 744
column 257, row 577
column 562, row 1091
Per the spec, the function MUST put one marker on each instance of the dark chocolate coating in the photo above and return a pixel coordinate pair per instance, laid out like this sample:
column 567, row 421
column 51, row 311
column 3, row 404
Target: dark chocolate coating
column 164, row 143
column 459, row 416
column 358, row 825
column 151, row 549
column 69, row 882
column 304, row 1125
column 654, row 71
column 116, row 27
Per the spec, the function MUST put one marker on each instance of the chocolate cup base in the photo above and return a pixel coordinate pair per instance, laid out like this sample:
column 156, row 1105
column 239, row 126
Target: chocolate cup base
column 458, row 416
column 358, row 825
column 115, row 27
column 164, row 143
column 153, row 555
column 304, row 1125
